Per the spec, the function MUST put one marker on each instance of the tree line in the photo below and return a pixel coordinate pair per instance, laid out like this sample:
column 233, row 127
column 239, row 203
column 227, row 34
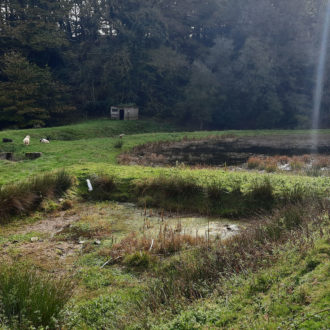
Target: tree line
column 207, row 64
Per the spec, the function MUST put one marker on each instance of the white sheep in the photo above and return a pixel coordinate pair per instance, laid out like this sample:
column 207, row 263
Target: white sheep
column 121, row 136
column 26, row 140
column 44, row 141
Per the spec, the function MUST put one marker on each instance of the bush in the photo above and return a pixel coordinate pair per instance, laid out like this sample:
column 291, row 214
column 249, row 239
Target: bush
column 321, row 162
column 254, row 162
column 140, row 260
column 118, row 144
column 30, row 298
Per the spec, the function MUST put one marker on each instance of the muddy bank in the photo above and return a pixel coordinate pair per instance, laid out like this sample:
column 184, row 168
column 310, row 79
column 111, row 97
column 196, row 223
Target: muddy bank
column 50, row 245
column 220, row 150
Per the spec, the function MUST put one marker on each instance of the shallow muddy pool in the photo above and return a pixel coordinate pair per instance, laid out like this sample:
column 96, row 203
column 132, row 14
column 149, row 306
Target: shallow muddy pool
column 125, row 218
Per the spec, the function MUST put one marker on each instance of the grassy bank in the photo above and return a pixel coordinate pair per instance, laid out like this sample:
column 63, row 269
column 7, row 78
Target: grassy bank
column 290, row 294
column 208, row 192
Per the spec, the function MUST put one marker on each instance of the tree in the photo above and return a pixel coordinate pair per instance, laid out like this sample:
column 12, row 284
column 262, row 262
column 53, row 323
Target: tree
column 29, row 96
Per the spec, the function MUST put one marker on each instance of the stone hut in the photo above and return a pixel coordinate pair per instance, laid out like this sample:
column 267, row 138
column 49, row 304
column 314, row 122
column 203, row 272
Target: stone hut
column 124, row 113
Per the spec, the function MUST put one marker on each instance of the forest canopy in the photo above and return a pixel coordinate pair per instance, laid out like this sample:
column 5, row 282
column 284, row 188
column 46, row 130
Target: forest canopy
column 208, row 64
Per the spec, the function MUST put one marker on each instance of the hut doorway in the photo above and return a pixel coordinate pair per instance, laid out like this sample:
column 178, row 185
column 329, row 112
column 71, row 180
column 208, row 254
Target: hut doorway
column 121, row 114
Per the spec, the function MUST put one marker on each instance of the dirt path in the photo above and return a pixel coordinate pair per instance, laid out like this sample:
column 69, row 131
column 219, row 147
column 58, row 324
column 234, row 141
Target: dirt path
column 52, row 224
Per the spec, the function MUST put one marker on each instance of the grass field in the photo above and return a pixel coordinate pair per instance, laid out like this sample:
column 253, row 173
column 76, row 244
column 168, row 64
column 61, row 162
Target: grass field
column 92, row 145
column 139, row 268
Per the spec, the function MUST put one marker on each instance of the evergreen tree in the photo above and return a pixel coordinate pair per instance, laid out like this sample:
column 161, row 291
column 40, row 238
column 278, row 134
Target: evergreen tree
column 28, row 94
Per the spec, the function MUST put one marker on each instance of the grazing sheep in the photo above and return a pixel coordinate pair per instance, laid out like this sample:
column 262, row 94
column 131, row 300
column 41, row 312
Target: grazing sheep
column 26, row 140
column 44, row 141
column 121, row 136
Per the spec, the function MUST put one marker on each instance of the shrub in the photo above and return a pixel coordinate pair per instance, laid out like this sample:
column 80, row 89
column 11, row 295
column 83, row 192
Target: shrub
column 167, row 242
column 140, row 260
column 216, row 192
column 30, row 298
column 175, row 192
column 118, row 144
column 66, row 205
column 296, row 163
column 296, row 195
column 314, row 172
column 270, row 165
column 321, row 162
column 254, row 162
column 283, row 159
column 306, row 158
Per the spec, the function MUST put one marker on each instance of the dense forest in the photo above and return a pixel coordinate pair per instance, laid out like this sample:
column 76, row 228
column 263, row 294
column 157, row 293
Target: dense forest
column 208, row 64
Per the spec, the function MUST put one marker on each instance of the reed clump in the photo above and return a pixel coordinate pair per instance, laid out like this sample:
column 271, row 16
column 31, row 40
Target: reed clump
column 30, row 299
column 24, row 197
column 103, row 187
column 167, row 242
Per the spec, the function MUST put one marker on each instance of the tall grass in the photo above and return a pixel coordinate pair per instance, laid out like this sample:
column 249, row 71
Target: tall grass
column 23, row 197
column 30, row 299
column 185, row 194
column 178, row 193
column 167, row 242
column 103, row 187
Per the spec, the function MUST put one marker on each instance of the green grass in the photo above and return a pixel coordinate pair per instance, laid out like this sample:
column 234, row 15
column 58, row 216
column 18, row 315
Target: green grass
column 137, row 175
column 293, row 293
column 92, row 145
column 88, row 129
